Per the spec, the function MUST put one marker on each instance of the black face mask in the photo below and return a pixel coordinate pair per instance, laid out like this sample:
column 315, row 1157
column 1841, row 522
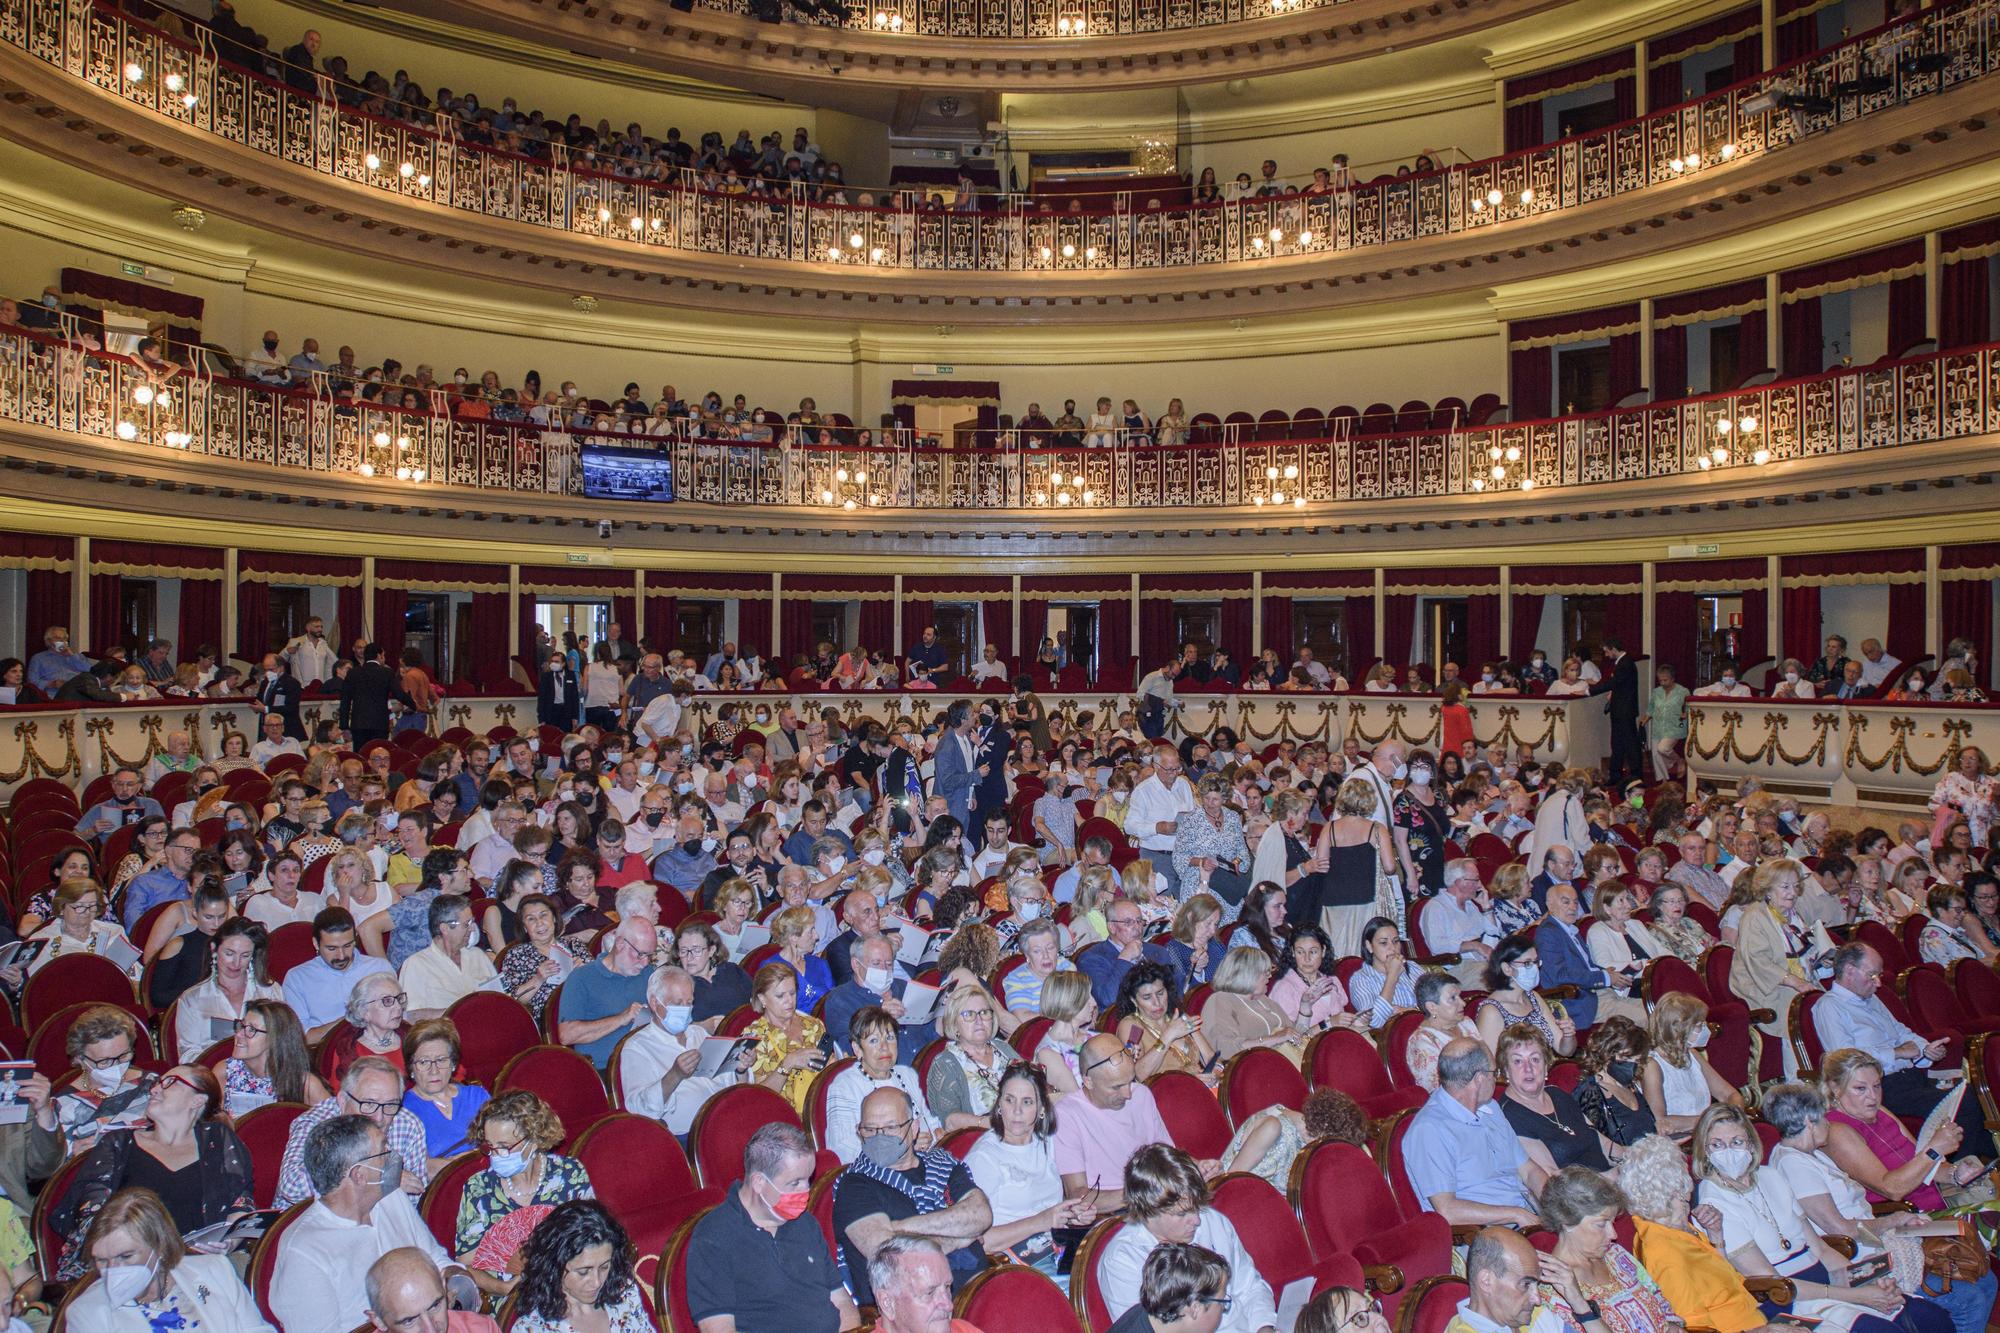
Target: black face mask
column 1625, row 1072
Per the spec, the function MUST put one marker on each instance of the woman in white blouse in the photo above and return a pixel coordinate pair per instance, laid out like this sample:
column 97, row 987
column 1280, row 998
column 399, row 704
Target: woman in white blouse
column 874, row 1067
column 207, row 1012
column 1618, row 944
column 1014, row 1166
column 76, row 928
column 1572, row 683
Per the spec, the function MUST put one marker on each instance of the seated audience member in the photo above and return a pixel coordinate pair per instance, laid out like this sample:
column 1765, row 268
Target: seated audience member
column 606, row 997
column 76, row 927
column 1241, row 1013
column 1853, row 1016
column 360, row 1212
column 872, row 1037
column 791, row 1047
column 1112, row 1117
column 318, row 989
column 1547, row 1120
column 375, row 1026
column 1678, row 1245
column 1609, row 1092
column 109, row 1092
column 1437, row 995
column 1125, row 946
column 1182, row 1289
column 451, row 967
column 269, row 1062
column 186, row 1153
column 797, row 1287
column 523, row 1182
column 1566, row 962
column 1014, row 1166
column 147, row 1279
column 125, row 805
column 892, row 1188
column 912, row 1281
column 874, row 983
column 1581, row 1207
column 1167, row 1201
column 658, row 1061
column 210, row 1010
column 542, row 958
column 406, row 1295
column 372, row 1088
column 1040, row 942
column 1508, row 1286
column 1693, row 873
column 1678, row 1081
column 1462, row 1156
column 1457, row 920
column 1160, row 1034
column 283, row 902
column 444, row 1106
column 720, row 986
column 1512, row 973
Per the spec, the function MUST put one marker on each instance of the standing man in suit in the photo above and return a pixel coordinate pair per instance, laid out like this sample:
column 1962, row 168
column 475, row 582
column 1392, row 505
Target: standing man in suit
column 365, row 696
column 956, row 772
column 993, row 742
column 557, row 696
column 278, row 691
column 1621, row 682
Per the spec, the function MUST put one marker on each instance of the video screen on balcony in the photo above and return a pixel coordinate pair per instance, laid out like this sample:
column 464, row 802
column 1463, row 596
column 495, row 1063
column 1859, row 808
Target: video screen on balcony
column 627, row 474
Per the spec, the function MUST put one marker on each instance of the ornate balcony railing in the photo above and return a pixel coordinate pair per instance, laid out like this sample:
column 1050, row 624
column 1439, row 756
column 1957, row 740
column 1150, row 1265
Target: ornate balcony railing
column 1955, row 395
column 1918, row 56
column 1066, row 20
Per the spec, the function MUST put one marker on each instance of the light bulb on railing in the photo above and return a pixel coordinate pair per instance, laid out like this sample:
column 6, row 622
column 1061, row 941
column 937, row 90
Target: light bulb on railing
column 1513, row 453
column 826, row 497
column 1257, row 500
column 854, row 241
column 135, row 72
column 1256, row 242
column 1479, row 205
column 1703, row 460
column 402, row 474
column 1527, row 483
column 174, row 83
column 875, row 254
column 1055, row 478
column 416, row 474
column 861, row 479
column 1270, row 474
column 1724, row 426
column 423, row 180
column 406, row 170
column 1277, row 234
column 142, row 394
column 1528, row 196
column 1298, row 502
column 1694, row 159
column 1676, row 165
column 1062, row 497
column 1291, row 472
column 381, row 439
column 367, row 469
column 1478, row 483
column 188, row 101
column 1305, row 238
column 637, row 223
column 1747, row 425
column 833, row 252
column 1277, row 497
column 840, row 474
column 1494, row 197
column 1726, row 152
column 1761, row 457
column 1069, row 251
column 1090, row 497
column 1494, row 453
column 1719, row 454
column 847, row 504
column 127, row 431
column 1499, row 473
column 656, row 224
column 1047, row 254
column 604, row 215
column 402, row 441
column 1090, row 252
column 373, row 162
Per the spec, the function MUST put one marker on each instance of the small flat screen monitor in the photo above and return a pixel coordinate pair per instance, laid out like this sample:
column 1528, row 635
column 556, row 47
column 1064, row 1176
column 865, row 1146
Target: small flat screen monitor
column 627, row 474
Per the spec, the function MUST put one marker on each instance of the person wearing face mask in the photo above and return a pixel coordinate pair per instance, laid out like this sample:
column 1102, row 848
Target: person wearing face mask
column 56, row 662
column 893, row 1187
column 756, row 1261
column 361, row 1213
column 148, row 1280
column 1677, row 1080
column 108, row 1094
column 523, row 1182
column 1726, row 685
column 657, row 1062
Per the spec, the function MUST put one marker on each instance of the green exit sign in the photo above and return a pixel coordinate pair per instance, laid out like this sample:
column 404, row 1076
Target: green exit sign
column 132, row 270
column 1708, row 548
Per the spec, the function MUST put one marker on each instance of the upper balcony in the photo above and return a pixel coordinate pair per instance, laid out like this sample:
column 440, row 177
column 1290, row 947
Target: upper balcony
column 79, row 77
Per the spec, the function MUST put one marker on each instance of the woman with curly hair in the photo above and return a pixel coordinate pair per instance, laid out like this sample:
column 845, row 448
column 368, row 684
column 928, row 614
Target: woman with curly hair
column 1677, row 1246
column 521, row 1186
column 576, row 1274
column 1267, row 1143
column 1152, row 1025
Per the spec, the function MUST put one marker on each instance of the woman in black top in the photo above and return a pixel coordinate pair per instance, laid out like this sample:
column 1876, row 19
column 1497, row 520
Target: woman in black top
column 1548, row 1119
column 1609, row 1093
column 720, row 986
column 188, row 954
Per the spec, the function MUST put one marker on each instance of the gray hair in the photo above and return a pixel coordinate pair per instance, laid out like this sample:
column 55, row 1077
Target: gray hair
column 1791, row 1108
column 885, row 1270
column 1848, row 957
column 1455, row 1071
column 1041, row 925
column 1575, row 1193
column 772, row 1146
column 638, row 897
column 656, row 985
column 336, row 1146
column 365, row 994
column 1655, row 1178
column 365, row 1065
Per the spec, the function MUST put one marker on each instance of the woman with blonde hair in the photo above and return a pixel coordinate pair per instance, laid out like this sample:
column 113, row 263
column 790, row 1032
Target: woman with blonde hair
column 964, row 1078
column 791, row 1046
column 1768, row 969
column 147, row 1278
column 1514, row 909
column 1094, row 891
column 1241, row 1014
column 1677, row 1080
column 1359, row 858
column 1070, row 1008
column 796, row 933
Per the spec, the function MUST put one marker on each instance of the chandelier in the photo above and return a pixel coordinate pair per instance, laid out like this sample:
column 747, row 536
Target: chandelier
column 1066, row 490
column 850, row 490
column 1280, row 487
column 1749, row 447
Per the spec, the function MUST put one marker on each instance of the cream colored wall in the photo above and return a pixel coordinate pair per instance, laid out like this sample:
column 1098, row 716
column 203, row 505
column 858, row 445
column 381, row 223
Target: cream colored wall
column 557, row 86
column 861, row 146
column 1372, row 148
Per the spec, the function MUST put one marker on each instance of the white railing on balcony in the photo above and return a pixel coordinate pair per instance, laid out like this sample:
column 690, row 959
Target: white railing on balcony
column 1918, row 56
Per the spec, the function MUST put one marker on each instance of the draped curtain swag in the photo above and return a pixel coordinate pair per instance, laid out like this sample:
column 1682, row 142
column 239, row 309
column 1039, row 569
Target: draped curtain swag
column 1863, row 270
column 437, row 576
column 327, row 571
column 944, row 393
column 1568, row 78
column 147, row 560
column 26, row 551
column 957, row 588
column 835, row 588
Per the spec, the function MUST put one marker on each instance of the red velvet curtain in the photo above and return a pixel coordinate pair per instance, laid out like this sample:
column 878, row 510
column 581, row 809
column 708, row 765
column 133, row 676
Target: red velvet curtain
column 997, row 613
column 1278, row 628
column 753, row 625
column 1905, row 639
column 253, row 621
column 1797, row 39
column 1663, row 86
column 1799, row 619
column 1531, row 382
column 1237, row 614
column 877, row 627
column 201, row 617
column 1756, row 638
column 1114, row 643
column 106, row 604
column 1747, row 60
column 484, row 659
column 795, row 629
column 1670, row 362
column 1625, row 368
column 1358, row 620
column 1751, row 335
column 1965, row 611
column 663, row 623
column 1625, row 97
column 1800, row 338
column 1523, row 126
column 1674, row 634
column 390, row 606
column 916, row 617
column 524, row 615
column 350, row 616
column 1906, row 313
column 1624, row 619
column 1482, row 628
column 1156, row 633
column 1527, row 623
column 1964, row 316
column 47, row 603
column 1399, row 627
column 1034, row 628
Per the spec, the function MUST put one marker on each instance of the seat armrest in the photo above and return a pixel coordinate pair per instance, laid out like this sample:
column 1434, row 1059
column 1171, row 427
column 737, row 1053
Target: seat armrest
column 1777, row 1290
column 1383, row 1277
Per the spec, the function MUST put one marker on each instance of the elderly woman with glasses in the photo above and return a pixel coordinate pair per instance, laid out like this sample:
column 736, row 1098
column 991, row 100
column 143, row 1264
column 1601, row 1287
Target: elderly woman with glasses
column 1168, row 1202
column 1581, row 1207
column 523, row 1182
column 147, row 1278
column 375, row 1025
column 445, row 1107
column 964, row 1083
column 186, row 1153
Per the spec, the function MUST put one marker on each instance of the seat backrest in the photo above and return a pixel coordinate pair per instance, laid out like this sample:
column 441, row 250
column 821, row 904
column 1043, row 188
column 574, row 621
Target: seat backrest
column 1191, row 1112
column 1395, row 1039
column 73, row 978
column 1978, row 986
column 670, row 1290
column 1265, row 1224
column 492, row 1029
column 1389, row 1161
column 1015, row 1296
column 1883, row 941
column 1259, row 1077
column 1668, row 975
column 1804, row 1032
column 723, row 1126
column 1341, row 1198
column 439, row 1205
column 48, row 1241
column 1715, row 964
column 567, row 1081
column 1342, row 1058
column 1430, row 1305
column 291, row 944
column 1086, row 1294
column 264, row 1258
column 265, row 1132
column 1933, row 1003
column 1911, row 933
column 47, row 1046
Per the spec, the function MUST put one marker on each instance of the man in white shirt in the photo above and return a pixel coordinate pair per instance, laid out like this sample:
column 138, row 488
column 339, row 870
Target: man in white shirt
column 624, row 793
column 1456, row 921
column 360, row 1215
column 274, row 742
column 1744, row 850
column 1385, row 767
column 656, row 1064
column 1316, row 669
column 1725, row 686
column 1154, row 811
column 311, row 656
column 989, row 666
column 661, row 719
column 1876, row 665
column 449, row 968
column 491, row 854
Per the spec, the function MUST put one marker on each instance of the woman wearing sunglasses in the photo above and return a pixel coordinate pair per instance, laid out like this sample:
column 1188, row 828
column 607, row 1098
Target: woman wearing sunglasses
column 187, row 1155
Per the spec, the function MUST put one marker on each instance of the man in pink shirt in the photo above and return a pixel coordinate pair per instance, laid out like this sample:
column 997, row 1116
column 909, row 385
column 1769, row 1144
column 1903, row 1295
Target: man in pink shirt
column 1098, row 1132
column 406, row 1295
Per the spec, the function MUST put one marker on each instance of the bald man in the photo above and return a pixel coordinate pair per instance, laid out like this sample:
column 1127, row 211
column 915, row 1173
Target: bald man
column 1098, row 1131
column 606, row 997
column 1503, row 1277
column 406, row 1295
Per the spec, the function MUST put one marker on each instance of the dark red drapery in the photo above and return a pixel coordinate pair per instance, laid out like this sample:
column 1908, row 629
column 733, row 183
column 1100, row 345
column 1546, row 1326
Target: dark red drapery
column 1626, row 371
column 201, row 618
column 1237, row 614
column 1482, row 628
column 795, row 628
column 753, row 625
column 1034, row 628
column 1526, row 625
column 1751, row 336
column 484, row 657
column 390, row 606
column 1670, row 362
column 877, row 625
column 1799, row 622
column 1399, row 627
column 47, row 603
column 253, row 620
column 1800, row 338
column 997, row 614
column 1674, row 634
column 1531, row 382
column 1278, row 627
column 1906, row 313
column 1964, row 304
column 1905, row 638
column 1965, row 611
column 1156, row 633
column 106, row 605
column 1114, row 645
column 663, row 623
column 1358, row 621
column 349, row 617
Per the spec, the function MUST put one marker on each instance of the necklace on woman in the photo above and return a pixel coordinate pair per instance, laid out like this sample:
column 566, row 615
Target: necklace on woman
column 1549, row 1115
column 1755, row 1198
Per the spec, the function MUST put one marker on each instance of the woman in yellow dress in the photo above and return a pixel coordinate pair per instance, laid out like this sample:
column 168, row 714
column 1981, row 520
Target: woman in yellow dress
column 790, row 1048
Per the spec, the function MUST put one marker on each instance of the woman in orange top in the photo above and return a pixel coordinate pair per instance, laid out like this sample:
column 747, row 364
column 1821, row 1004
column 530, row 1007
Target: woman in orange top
column 1679, row 1248
column 422, row 690
column 1455, row 718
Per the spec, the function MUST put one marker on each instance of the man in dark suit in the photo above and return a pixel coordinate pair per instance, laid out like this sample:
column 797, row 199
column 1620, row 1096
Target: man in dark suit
column 365, row 696
column 1621, row 682
column 278, row 692
column 955, row 771
column 993, row 740
column 558, row 701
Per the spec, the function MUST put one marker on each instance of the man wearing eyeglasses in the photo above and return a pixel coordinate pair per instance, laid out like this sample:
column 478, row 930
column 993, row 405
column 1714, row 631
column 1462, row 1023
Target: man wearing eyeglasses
column 657, row 1064
column 164, row 883
column 1107, row 962
column 371, row 1087
column 1182, row 1289
column 406, row 1295
column 450, row 967
column 360, row 1213
column 1103, row 1125
column 892, row 1190
column 1504, row 1275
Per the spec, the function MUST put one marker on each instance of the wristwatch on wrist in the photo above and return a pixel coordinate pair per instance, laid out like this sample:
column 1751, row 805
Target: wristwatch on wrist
column 1934, row 1154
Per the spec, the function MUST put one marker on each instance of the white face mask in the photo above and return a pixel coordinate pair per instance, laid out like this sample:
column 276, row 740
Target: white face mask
column 1791, row 677
column 835, row 865
column 1729, row 682
column 1732, row 1162
column 123, row 1283
column 876, row 979
column 1698, row 1038
column 874, row 856
column 1030, row 911
column 1421, row 776
column 1527, row 976
column 107, row 1080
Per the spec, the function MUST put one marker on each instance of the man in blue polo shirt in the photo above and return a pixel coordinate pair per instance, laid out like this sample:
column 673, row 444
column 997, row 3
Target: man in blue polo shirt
column 606, row 997
column 126, row 806
column 1463, row 1159
column 757, row 1260
column 164, row 883
column 925, row 657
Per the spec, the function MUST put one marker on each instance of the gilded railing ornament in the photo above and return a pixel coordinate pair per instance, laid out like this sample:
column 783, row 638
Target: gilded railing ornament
column 1897, row 758
column 1815, row 754
column 1396, row 712
column 1730, row 721
column 32, row 764
column 460, row 714
column 109, row 759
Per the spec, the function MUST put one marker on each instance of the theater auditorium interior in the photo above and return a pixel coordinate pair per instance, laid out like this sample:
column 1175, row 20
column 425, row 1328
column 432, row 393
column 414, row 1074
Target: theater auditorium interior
column 962, row 666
